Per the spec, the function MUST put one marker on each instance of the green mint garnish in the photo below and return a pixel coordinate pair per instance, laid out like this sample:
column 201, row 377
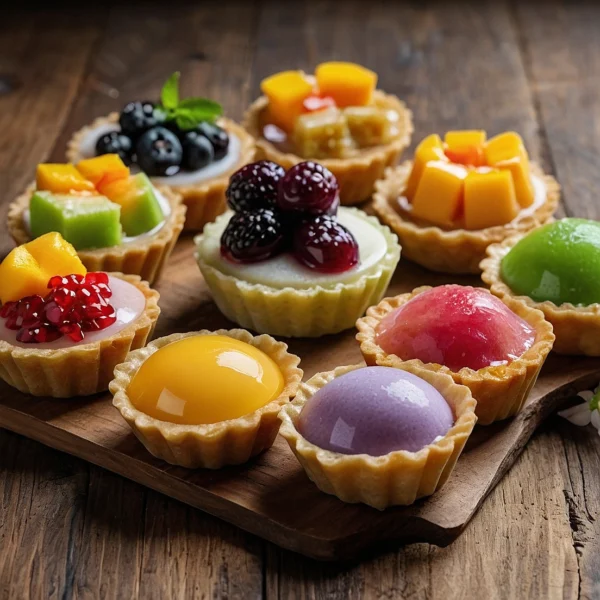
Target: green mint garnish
column 595, row 402
column 189, row 112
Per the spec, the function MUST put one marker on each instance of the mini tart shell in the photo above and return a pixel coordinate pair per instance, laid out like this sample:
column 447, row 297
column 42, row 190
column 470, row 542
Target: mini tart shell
column 500, row 391
column 82, row 369
column 290, row 312
column 397, row 478
column 577, row 328
column 145, row 255
column 212, row 446
column 356, row 175
column 460, row 250
column 205, row 200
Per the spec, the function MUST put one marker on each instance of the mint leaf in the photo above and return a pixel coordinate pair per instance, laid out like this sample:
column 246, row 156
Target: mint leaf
column 201, row 109
column 169, row 96
column 595, row 402
column 184, row 120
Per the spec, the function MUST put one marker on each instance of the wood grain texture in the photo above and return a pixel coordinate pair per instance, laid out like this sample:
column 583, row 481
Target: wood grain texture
column 537, row 535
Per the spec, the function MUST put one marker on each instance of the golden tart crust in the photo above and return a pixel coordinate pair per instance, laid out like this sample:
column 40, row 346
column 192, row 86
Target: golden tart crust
column 356, row 175
column 145, row 255
column 577, row 328
column 398, row 478
column 82, row 369
column 290, row 312
column 211, row 446
column 452, row 251
column 500, row 391
column 205, row 201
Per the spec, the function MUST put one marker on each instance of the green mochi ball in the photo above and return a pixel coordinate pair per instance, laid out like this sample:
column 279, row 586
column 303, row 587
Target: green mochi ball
column 559, row 262
column 87, row 222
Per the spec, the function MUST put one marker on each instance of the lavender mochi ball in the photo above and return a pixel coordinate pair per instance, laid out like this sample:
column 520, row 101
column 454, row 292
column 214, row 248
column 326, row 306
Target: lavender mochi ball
column 375, row 410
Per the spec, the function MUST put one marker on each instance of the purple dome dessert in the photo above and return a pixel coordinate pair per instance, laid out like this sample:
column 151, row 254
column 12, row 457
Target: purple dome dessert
column 375, row 411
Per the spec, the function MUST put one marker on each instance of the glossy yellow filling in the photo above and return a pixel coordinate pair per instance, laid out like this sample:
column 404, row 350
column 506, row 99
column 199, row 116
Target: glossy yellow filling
column 205, row 379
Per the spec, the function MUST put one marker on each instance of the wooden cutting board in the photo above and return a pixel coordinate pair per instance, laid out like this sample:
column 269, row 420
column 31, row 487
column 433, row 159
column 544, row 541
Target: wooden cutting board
column 271, row 496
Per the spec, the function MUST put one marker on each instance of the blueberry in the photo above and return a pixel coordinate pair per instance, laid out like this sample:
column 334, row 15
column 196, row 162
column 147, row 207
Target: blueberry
column 138, row 117
column 114, row 142
column 217, row 136
column 159, row 152
column 198, row 152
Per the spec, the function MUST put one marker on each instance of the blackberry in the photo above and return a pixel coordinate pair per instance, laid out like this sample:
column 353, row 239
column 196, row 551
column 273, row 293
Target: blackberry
column 254, row 186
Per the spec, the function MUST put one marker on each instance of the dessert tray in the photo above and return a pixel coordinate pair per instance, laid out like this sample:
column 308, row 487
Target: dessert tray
column 271, row 496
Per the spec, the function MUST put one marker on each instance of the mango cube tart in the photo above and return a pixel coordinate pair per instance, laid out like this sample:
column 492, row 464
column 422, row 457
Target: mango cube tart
column 336, row 116
column 111, row 217
column 462, row 193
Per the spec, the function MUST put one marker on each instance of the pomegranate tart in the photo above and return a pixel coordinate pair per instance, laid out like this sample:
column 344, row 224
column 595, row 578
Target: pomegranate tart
column 554, row 269
column 466, row 333
column 286, row 260
column 336, row 117
column 63, row 329
column 457, row 197
column 206, row 399
column 116, row 221
column 186, row 145
column 377, row 435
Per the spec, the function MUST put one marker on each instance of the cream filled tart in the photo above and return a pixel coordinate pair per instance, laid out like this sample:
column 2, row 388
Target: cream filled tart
column 287, row 261
column 64, row 329
column 186, row 145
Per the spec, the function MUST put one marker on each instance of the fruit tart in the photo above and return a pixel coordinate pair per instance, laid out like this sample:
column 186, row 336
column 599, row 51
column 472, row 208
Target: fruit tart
column 466, row 333
column 377, row 435
column 64, row 329
column 116, row 221
column 184, row 144
column 286, row 260
column 458, row 196
column 554, row 269
column 207, row 398
column 336, row 117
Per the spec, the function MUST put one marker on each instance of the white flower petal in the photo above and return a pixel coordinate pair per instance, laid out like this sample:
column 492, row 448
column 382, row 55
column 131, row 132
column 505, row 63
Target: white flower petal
column 578, row 415
column 596, row 420
column 586, row 395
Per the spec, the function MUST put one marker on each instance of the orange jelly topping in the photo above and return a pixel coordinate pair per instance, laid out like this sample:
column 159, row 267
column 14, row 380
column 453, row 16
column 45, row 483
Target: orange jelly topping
column 205, row 379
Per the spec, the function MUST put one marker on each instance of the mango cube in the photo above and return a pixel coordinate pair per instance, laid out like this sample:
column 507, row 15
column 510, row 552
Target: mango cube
column 466, row 147
column 61, row 179
column 322, row 134
column 490, row 199
column 84, row 221
column 439, row 195
column 370, row 125
column 431, row 148
column 28, row 268
column 347, row 83
column 286, row 92
column 103, row 169
column 140, row 208
column 507, row 152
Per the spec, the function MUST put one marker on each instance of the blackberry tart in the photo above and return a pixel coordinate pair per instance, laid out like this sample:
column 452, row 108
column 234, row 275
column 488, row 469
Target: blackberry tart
column 186, row 145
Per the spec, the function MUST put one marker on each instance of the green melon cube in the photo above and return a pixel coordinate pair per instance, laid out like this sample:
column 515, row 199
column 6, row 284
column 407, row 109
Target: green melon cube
column 140, row 208
column 85, row 221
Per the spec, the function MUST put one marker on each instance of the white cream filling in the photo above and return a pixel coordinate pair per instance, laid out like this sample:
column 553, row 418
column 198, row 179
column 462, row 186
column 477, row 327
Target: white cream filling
column 284, row 270
column 162, row 201
column 87, row 149
column 539, row 197
column 129, row 303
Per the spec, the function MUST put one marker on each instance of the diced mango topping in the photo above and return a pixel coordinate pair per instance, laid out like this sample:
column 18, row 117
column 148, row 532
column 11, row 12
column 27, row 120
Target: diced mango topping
column 482, row 183
column 466, row 147
column 102, row 170
column 62, row 179
column 490, row 199
column 439, row 195
column 347, row 83
column 28, row 268
column 286, row 92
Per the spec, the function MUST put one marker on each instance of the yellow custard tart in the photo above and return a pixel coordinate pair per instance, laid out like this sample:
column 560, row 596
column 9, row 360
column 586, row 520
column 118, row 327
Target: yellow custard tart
column 64, row 329
column 458, row 196
column 337, row 117
column 206, row 399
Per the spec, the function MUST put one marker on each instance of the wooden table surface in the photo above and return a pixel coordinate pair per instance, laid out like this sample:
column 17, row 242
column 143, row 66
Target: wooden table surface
column 68, row 529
